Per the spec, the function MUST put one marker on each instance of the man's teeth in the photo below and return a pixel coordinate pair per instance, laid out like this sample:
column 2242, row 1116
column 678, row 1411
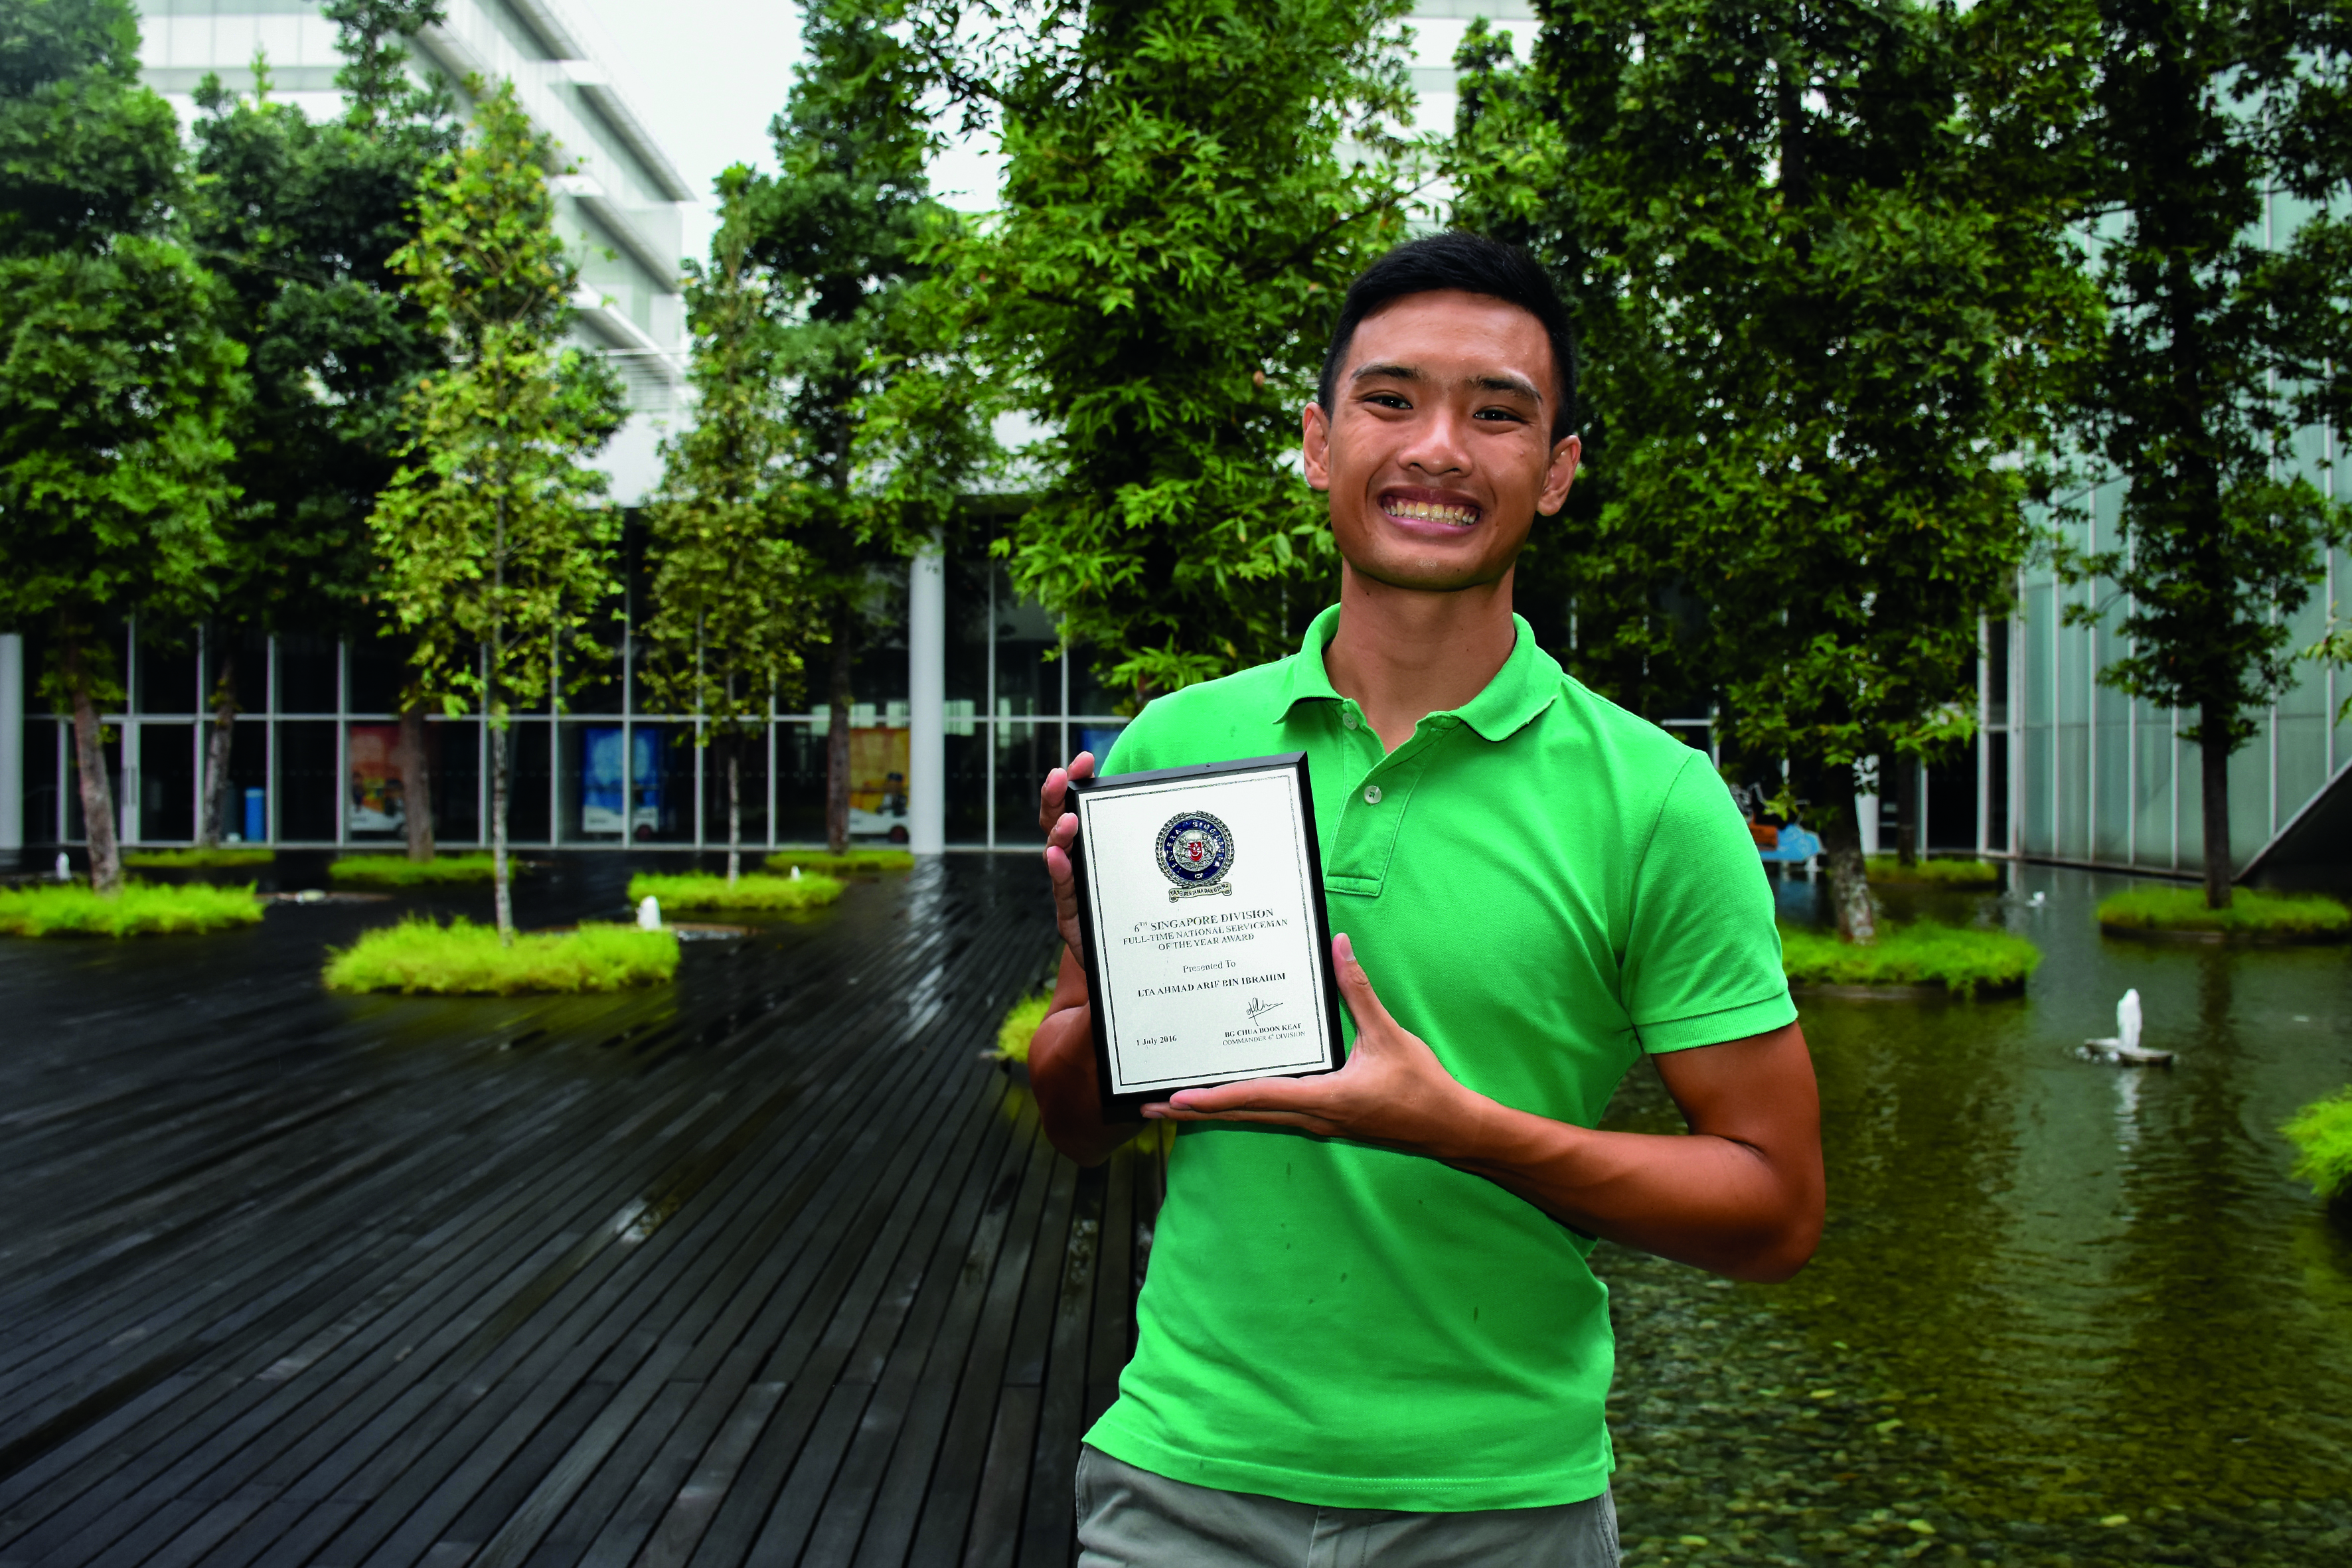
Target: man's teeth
column 1431, row 511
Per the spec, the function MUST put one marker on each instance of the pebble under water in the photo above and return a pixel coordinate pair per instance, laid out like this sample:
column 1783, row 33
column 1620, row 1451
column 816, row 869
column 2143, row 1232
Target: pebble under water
column 2064, row 1313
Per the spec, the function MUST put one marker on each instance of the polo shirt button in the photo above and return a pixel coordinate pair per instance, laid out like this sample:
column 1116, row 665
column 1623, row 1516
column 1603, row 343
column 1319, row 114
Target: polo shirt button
column 1371, row 794
column 1349, row 720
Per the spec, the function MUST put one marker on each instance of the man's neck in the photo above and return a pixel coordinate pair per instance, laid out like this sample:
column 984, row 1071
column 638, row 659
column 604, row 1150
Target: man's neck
column 1405, row 653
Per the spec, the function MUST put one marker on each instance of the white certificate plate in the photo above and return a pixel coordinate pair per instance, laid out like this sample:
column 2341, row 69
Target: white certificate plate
column 1201, row 902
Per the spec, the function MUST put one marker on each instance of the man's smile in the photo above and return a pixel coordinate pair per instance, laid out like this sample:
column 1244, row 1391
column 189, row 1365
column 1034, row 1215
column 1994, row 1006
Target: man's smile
column 1420, row 506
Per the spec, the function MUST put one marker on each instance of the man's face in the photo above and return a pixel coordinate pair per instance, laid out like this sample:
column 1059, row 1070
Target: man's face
column 1438, row 452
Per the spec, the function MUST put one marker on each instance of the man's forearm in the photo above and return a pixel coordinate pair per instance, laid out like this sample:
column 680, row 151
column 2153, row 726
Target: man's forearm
column 1701, row 1199
column 1061, row 1074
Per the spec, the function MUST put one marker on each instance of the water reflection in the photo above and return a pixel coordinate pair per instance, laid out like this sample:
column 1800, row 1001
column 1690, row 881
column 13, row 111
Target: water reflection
column 2100, row 1303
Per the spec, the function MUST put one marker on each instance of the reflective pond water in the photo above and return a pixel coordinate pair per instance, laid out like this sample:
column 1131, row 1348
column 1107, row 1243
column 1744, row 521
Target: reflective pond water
column 2063, row 1312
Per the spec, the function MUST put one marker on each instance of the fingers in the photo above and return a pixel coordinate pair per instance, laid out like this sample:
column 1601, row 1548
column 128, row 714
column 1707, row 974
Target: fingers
column 1356, row 986
column 1282, row 1095
column 1055, row 791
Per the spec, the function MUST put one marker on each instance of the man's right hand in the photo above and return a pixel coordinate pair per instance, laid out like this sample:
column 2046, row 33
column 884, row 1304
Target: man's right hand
column 1062, row 1053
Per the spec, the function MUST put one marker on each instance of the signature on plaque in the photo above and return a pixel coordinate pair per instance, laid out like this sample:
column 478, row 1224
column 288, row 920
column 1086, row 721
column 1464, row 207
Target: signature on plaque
column 1259, row 1007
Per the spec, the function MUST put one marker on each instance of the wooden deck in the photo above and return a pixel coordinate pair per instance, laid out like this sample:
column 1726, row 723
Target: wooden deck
column 765, row 1268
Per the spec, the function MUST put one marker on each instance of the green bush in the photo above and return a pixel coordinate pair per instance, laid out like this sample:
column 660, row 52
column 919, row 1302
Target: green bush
column 400, row 871
column 2322, row 1130
column 139, row 909
column 463, row 959
column 702, row 890
column 1012, row 1035
column 2250, row 913
column 1964, row 958
column 1938, row 873
column 857, row 862
column 186, row 859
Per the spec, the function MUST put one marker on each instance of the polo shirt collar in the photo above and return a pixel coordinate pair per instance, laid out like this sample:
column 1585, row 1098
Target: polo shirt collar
column 1527, row 683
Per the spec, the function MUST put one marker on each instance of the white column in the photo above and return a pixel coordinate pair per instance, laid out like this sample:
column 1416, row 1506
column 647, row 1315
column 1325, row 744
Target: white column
column 1866, row 813
column 12, row 741
column 927, row 706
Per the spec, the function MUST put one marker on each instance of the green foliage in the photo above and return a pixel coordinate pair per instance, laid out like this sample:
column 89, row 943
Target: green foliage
column 2322, row 1133
column 138, row 910
column 695, row 890
column 1020, row 1026
column 1950, row 873
column 1178, row 222
column 493, row 549
column 1966, row 959
column 2249, row 913
column 462, row 959
column 2221, row 339
column 399, row 871
column 855, row 863
column 117, row 386
column 299, row 220
column 1818, row 260
column 202, row 857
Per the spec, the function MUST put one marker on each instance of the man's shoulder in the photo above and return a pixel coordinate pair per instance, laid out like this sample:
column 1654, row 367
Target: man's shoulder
column 1176, row 724
column 1635, row 749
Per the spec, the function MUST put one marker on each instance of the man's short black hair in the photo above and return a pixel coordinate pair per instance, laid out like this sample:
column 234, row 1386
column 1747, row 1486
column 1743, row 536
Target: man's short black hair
column 1472, row 264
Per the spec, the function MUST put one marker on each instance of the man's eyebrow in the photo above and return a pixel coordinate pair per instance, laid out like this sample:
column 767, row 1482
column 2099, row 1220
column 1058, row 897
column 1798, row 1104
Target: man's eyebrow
column 1392, row 372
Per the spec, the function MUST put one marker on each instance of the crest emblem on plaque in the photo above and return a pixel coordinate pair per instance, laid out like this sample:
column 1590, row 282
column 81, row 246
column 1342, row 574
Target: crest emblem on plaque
column 1196, row 850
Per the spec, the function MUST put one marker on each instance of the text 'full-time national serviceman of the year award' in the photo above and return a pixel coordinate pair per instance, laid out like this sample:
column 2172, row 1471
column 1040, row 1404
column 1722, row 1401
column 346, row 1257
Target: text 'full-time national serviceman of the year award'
column 1201, row 903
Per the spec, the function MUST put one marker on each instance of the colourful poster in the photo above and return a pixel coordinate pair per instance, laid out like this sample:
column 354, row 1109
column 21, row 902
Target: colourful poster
column 373, row 751
column 877, row 783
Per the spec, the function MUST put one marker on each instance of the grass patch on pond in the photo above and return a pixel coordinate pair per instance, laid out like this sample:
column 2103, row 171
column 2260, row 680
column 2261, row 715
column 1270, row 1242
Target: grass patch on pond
column 1964, row 959
column 855, row 863
column 2322, row 1134
column 139, row 910
column 219, row 855
column 400, row 871
column 465, row 959
column 1020, row 1025
column 1947, row 873
column 2305, row 916
column 702, row 890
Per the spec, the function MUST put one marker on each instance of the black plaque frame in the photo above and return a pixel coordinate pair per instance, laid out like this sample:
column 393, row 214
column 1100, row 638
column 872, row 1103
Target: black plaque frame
column 1130, row 1106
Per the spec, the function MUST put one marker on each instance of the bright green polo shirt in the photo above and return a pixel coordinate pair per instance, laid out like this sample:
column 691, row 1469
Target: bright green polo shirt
column 1543, row 887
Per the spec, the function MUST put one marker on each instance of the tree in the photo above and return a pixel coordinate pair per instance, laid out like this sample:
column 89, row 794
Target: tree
column 2217, row 348
column 838, row 234
column 1819, row 262
column 732, row 611
column 299, row 219
column 117, row 385
column 492, row 548
column 1178, row 221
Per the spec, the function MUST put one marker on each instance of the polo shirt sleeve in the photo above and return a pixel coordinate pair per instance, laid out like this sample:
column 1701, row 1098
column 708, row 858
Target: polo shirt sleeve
column 1702, row 952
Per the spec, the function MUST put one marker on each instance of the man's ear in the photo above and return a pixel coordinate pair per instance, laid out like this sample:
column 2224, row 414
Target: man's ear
column 1315, row 446
column 1566, row 453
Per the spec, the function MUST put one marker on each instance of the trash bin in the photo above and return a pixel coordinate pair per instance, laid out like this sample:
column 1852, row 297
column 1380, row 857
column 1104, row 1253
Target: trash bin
column 257, row 816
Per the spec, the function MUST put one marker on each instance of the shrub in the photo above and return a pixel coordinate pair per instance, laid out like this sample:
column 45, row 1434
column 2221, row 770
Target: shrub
column 855, row 863
column 702, row 890
column 139, row 909
column 1952, row 873
column 2250, row 913
column 2322, row 1131
column 1964, row 958
column 1019, row 1024
column 464, row 959
column 400, row 871
column 184, row 859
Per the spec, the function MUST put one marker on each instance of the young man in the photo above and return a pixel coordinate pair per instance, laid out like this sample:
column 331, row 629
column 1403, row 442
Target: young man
column 1370, row 1334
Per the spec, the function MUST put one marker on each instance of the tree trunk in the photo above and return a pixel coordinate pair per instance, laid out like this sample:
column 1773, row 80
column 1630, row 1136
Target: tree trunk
column 501, row 741
column 2213, row 755
column 216, row 749
column 1841, row 831
column 734, row 811
column 1908, row 835
column 836, row 739
column 97, row 788
column 415, row 781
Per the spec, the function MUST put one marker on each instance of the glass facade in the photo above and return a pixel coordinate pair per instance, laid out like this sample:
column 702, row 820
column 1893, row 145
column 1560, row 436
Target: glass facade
column 312, row 761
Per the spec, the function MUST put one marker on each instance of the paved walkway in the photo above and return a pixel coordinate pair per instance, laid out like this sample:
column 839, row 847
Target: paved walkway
column 764, row 1268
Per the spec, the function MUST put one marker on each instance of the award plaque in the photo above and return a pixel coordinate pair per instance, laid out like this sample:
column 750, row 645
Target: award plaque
column 1201, row 902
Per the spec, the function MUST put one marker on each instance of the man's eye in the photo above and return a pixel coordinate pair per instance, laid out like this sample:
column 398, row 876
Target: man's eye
column 1387, row 400
column 1512, row 415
